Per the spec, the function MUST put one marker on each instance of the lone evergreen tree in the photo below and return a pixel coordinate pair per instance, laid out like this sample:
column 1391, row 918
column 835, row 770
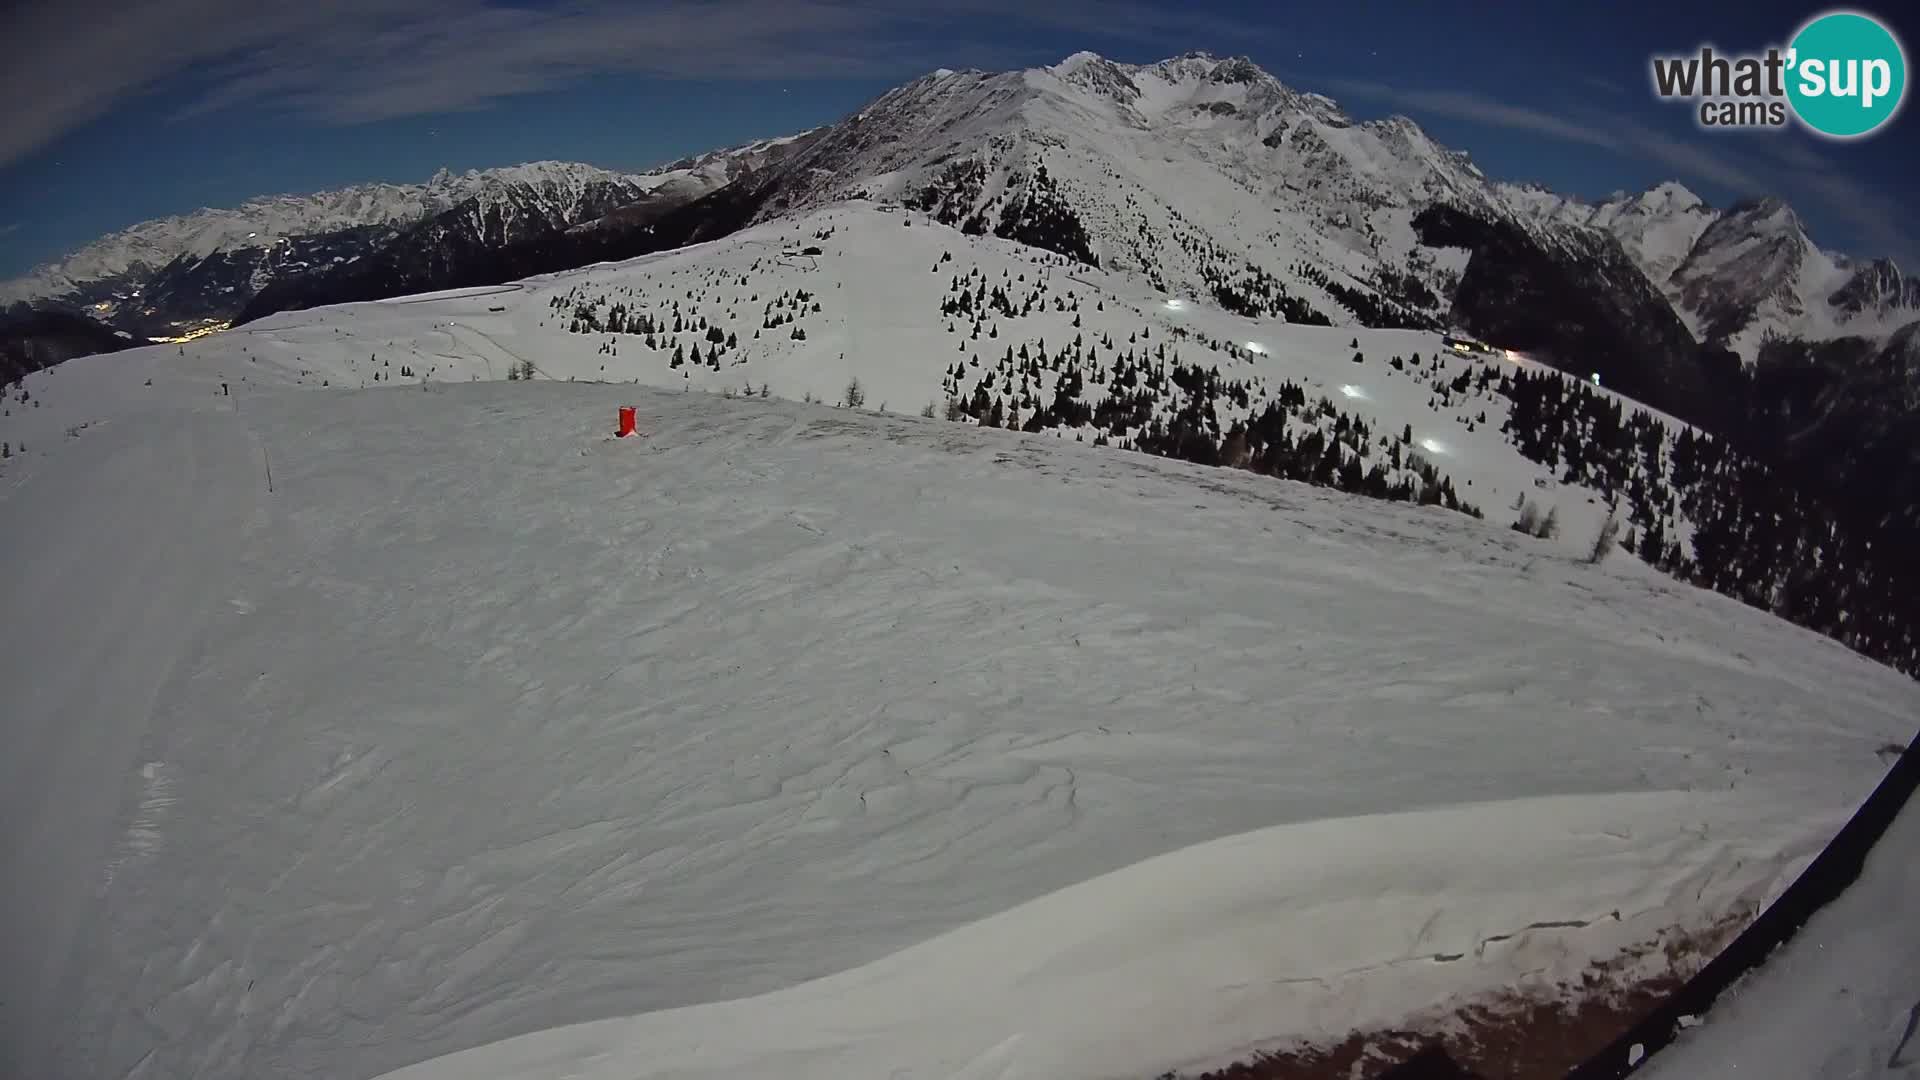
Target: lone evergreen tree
column 1603, row 540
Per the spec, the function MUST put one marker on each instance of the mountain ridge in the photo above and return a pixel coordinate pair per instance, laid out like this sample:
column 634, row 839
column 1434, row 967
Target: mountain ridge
column 214, row 255
column 1742, row 274
column 1319, row 208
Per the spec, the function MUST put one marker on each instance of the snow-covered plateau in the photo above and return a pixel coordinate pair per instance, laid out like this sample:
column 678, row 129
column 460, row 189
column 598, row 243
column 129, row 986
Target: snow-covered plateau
column 366, row 708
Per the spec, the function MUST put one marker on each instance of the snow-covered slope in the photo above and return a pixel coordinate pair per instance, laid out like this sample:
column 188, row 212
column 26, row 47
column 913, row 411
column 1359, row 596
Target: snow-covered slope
column 892, row 299
column 926, row 316
column 421, row 717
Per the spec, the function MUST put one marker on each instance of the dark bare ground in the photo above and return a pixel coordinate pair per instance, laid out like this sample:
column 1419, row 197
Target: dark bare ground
column 1505, row 1036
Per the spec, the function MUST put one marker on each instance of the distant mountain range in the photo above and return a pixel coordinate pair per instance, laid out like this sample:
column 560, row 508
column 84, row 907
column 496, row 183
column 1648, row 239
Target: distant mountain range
column 1743, row 274
column 1206, row 177
column 173, row 275
column 1204, row 174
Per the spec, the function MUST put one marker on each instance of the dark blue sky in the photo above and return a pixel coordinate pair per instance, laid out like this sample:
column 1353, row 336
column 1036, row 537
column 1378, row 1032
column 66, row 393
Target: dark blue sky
column 124, row 112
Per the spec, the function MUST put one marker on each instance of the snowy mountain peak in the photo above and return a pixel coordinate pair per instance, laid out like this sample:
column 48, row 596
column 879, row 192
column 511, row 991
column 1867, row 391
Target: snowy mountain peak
column 1878, row 288
column 1767, row 213
column 1753, row 272
column 1759, row 225
column 1195, row 66
column 1740, row 275
column 1197, row 85
column 1238, row 69
column 1204, row 174
column 1670, row 196
column 1091, row 71
column 1077, row 61
column 1206, row 67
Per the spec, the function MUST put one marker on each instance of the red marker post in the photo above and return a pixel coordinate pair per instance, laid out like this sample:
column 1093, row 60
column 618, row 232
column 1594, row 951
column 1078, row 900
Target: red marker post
column 627, row 422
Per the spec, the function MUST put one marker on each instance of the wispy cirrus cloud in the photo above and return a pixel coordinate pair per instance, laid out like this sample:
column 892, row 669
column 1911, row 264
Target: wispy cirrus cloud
column 352, row 61
column 1613, row 133
column 1466, row 105
column 1700, row 158
column 1873, row 212
column 1783, row 163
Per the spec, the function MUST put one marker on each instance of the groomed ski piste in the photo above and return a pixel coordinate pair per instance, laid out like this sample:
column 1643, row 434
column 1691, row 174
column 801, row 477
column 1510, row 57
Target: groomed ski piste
column 805, row 741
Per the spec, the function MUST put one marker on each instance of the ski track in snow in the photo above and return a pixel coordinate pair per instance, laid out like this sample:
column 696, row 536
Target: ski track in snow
column 484, row 722
column 113, row 550
column 145, row 833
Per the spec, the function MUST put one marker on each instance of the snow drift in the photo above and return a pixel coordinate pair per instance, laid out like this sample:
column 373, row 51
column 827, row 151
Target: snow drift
column 1302, row 931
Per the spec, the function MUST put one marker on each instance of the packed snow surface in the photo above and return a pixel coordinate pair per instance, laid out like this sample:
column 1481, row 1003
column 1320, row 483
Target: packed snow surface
column 771, row 724
column 1839, row 1001
column 1313, row 930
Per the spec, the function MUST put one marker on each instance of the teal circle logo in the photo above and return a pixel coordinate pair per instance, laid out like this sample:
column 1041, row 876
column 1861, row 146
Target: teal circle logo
column 1847, row 74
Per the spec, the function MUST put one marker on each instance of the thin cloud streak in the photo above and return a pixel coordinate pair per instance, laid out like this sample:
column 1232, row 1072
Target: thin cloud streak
column 1871, row 211
column 1465, row 105
column 1610, row 133
column 356, row 61
column 1692, row 157
column 1767, row 163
